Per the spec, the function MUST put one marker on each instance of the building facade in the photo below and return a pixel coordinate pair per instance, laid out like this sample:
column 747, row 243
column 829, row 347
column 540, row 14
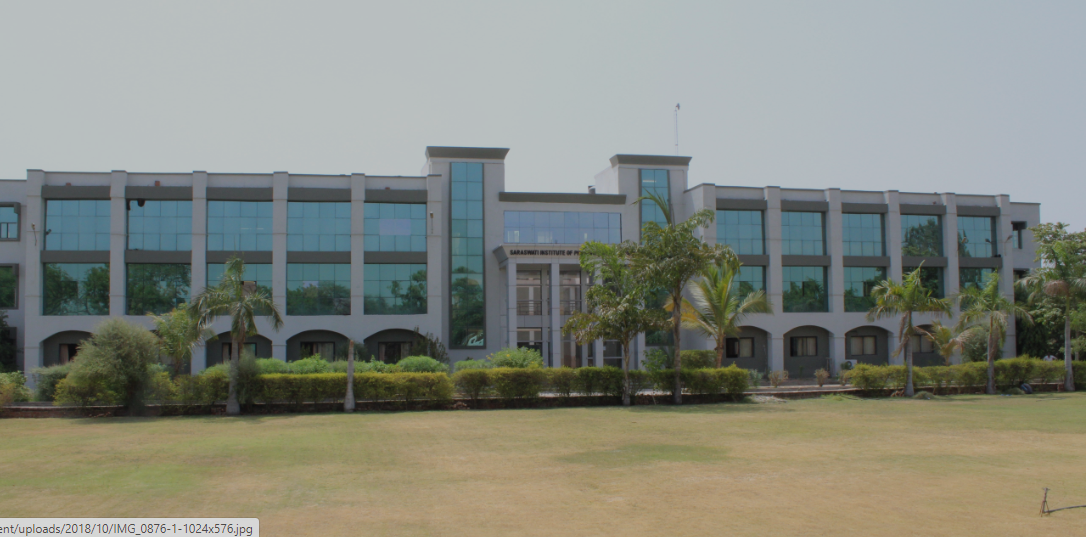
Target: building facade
column 452, row 253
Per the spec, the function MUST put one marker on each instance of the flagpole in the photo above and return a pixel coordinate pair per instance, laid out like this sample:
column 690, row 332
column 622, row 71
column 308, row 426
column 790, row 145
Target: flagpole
column 676, row 127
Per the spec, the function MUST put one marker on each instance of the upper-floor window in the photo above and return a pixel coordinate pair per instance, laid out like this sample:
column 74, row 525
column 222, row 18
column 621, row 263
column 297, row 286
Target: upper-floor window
column 977, row 237
column 9, row 222
column 804, row 289
column 975, row 277
column 1018, row 234
column 402, row 227
column 654, row 182
column 240, row 226
column 77, row 225
column 258, row 273
column 922, row 236
column 9, row 286
column 156, row 287
column 750, row 278
column 394, row 289
column 318, row 226
column 803, row 233
column 318, row 289
column 859, row 283
column 467, row 308
column 863, row 234
column 932, row 279
column 554, row 227
column 75, row 289
column 741, row 230
column 160, row 225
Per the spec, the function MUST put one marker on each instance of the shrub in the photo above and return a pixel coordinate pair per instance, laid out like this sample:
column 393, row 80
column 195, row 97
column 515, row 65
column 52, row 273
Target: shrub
column 869, row 377
column 1051, row 371
column 471, row 364
column 222, row 370
column 1015, row 371
column 373, row 366
column 299, row 389
column 201, row 390
column 116, row 359
column 712, row 381
column 656, row 360
column 776, row 378
column 310, row 365
column 429, row 345
column 1078, row 373
column 519, row 358
column 697, row 359
column 48, row 377
column 373, row 386
column 735, row 379
column 249, row 379
column 269, row 366
column 821, row 376
column 421, row 364
column 939, row 376
column 613, row 381
column 591, row 380
column 160, row 387
column 755, row 376
column 518, row 383
column 473, row 383
column 13, row 388
column 426, row 386
column 970, row 375
column 562, row 381
column 85, row 391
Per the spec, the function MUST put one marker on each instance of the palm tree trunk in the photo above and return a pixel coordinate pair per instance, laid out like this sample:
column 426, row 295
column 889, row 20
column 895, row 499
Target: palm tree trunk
column 626, row 377
column 349, row 396
column 232, row 397
column 677, row 397
column 721, row 351
column 991, row 387
column 908, row 359
column 1069, row 386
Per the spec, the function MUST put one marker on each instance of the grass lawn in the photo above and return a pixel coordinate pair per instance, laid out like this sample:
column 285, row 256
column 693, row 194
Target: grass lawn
column 964, row 465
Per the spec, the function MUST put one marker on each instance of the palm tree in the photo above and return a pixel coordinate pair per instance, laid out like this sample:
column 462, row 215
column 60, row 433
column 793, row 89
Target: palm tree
column 904, row 300
column 946, row 339
column 242, row 302
column 179, row 333
column 987, row 306
column 717, row 306
column 1061, row 277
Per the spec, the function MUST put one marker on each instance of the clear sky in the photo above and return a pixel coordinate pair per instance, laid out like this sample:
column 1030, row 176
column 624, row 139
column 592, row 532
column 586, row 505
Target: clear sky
column 961, row 96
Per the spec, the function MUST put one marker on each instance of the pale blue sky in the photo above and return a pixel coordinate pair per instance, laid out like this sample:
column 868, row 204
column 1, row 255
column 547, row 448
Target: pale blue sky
column 971, row 97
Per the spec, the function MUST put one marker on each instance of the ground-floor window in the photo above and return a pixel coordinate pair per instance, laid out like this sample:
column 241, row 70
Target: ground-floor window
column 531, row 338
column 76, row 289
column 862, row 345
column 318, row 289
column 739, row 347
column 803, row 346
column 324, row 349
column 921, row 344
column 227, row 348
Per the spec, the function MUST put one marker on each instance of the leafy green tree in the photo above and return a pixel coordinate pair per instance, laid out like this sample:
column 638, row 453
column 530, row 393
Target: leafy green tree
column 718, row 305
column 242, row 303
column 615, row 305
column 115, row 363
column 946, row 339
column 988, row 307
column 670, row 256
column 904, row 300
column 179, row 333
column 1060, row 278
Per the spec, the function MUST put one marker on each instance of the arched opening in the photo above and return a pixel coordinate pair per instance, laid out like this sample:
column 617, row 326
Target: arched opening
column 327, row 343
column 923, row 352
column 62, row 347
column 867, row 345
column 391, row 345
column 218, row 349
column 748, row 350
column 807, row 349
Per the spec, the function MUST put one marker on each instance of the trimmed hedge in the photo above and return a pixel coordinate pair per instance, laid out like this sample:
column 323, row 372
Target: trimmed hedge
column 1008, row 373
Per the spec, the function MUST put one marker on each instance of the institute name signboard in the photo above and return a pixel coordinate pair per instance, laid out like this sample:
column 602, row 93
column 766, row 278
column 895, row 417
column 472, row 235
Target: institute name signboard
column 549, row 253
column 506, row 251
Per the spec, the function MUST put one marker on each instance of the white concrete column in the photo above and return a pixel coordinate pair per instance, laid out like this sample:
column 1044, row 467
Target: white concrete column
column 438, row 259
column 951, row 246
column 772, row 224
column 776, row 357
column 556, row 318
column 837, row 349
column 893, row 222
column 199, row 254
column 280, row 183
column 833, row 234
column 358, row 259
column 118, row 240
column 1008, row 278
column 511, row 303
column 598, row 353
column 893, row 343
column 33, row 234
column 639, row 352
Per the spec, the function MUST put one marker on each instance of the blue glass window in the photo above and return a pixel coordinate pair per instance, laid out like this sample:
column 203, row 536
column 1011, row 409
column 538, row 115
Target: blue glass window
column 654, row 182
column 974, row 277
column 9, row 222
column 554, row 227
column 9, row 287
column 318, row 226
column 160, row 225
column 932, row 279
column 261, row 273
column 76, row 289
column 240, row 226
column 400, row 227
column 977, row 236
column 467, row 255
column 803, row 233
column 804, row 289
column 922, row 235
column 859, row 283
column 395, row 289
column 863, row 234
column 318, row 289
column 156, row 287
column 749, row 279
column 741, row 230
column 77, row 225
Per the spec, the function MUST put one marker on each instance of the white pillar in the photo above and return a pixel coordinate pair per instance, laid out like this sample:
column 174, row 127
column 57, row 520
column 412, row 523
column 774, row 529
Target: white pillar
column 199, row 257
column 280, row 182
column 557, row 331
column 893, row 343
column 1008, row 278
column 358, row 249
column 118, row 239
column 951, row 246
column 512, row 303
column 834, row 249
column 894, row 228
column 837, row 350
column 772, row 225
column 598, row 353
column 638, row 354
column 33, row 233
column 776, row 358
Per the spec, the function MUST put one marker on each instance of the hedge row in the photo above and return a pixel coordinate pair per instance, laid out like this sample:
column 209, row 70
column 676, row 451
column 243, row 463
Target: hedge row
column 1011, row 372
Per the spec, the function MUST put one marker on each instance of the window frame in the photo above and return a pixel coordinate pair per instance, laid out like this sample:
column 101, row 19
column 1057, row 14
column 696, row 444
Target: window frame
column 803, row 341
column 18, row 207
column 15, row 275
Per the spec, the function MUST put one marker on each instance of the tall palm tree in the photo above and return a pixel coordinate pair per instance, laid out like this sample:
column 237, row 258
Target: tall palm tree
column 242, row 302
column 179, row 333
column 904, row 300
column 946, row 339
column 1060, row 278
column 987, row 306
column 717, row 306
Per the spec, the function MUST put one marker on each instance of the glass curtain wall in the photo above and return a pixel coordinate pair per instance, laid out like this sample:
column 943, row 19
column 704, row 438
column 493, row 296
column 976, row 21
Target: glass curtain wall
column 395, row 289
column 977, row 237
column 400, row 227
column 160, row 225
column 467, row 312
column 974, row 277
column 803, row 233
column 318, row 289
column 554, row 227
column 922, row 235
column 9, row 222
column 156, row 287
column 9, row 288
column 77, row 225
column 859, row 283
column 654, row 182
column 863, row 234
column 318, row 226
column 804, row 289
column 741, row 230
column 239, row 226
column 76, row 289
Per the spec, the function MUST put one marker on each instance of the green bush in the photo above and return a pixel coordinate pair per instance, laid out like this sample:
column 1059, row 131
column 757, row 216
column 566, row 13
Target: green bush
column 13, row 388
column 304, row 388
column 85, row 391
column 657, row 359
column 869, row 377
column 698, row 359
column 1012, row 372
column 423, row 386
column 712, row 381
column 1051, row 371
column 473, row 383
column 518, row 358
column 421, row 364
column 201, row 390
column 269, row 366
column 218, row 369
column 309, row 366
column 116, row 360
column 970, row 375
column 374, row 386
column 373, row 366
column 591, row 380
column 471, row 364
column 518, row 383
column 160, row 387
column 1078, row 373
column 48, row 378
column 562, row 381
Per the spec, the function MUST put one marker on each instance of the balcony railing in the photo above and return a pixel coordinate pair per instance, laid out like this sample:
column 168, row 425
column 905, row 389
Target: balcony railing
column 569, row 307
column 530, row 307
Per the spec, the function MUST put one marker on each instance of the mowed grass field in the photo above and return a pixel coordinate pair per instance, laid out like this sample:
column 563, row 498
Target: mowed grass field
column 966, row 465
